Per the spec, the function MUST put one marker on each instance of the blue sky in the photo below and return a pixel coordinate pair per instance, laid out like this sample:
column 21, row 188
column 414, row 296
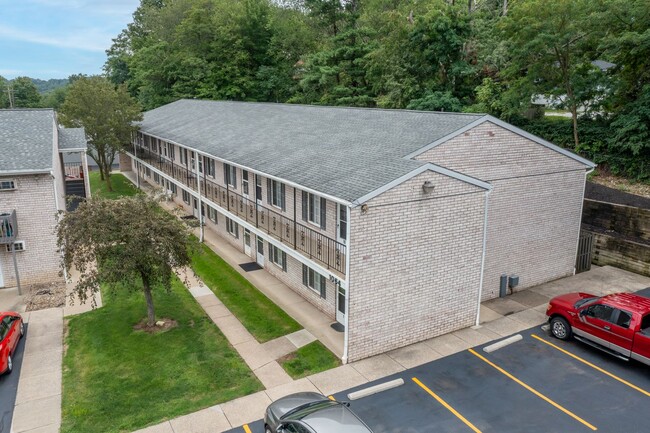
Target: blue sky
column 56, row 38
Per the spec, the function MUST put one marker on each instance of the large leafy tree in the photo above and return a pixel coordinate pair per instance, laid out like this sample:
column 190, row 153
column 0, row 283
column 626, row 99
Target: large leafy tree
column 106, row 112
column 23, row 93
column 117, row 243
column 551, row 44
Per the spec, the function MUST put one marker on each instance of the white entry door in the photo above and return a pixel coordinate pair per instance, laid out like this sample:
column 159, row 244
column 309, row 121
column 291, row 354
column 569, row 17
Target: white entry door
column 2, row 277
column 247, row 242
column 260, row 251
column 340, row 304
column 195, row 211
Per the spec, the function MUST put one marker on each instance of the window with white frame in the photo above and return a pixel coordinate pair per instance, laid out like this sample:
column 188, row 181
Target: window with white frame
column 230, row 175
column 244, row 182
column 278, row 256
column 156, row 177
column 314, row 209
column 232, row 227
column 18, row 246
column 183, row 154
column 7, row 184
column 276, row 192
column 314, row 281
column 212, row 214
column 209, row 166
column 170, row 151
column 186, row 197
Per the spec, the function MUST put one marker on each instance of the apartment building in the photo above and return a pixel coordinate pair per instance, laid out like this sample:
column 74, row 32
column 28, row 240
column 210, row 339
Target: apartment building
column 394, row 223
column 35, row 184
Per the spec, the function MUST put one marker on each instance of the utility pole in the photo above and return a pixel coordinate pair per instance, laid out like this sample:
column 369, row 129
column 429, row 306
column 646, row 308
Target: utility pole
column 10, row 95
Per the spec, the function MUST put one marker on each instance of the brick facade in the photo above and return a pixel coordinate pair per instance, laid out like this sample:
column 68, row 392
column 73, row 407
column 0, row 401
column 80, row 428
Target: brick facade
column 36, row 211
column 415, row 264
column 534, row 209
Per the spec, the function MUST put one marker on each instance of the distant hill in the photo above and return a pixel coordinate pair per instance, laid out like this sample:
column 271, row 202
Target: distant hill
column 45, row 86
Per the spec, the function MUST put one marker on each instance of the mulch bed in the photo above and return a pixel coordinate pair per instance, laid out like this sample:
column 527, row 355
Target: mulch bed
column 42, row 296
column 598, row 192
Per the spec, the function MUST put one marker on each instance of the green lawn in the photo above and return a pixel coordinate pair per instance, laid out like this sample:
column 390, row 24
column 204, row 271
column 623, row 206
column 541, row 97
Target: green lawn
column 121, row 186
column 117, row 379
column 263, row 319
column 309, row 359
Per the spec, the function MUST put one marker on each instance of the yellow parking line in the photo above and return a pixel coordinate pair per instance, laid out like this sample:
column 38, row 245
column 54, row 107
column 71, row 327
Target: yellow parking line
column 623, row 381
column 246, row 428
column 537, row 393
column 446, row 405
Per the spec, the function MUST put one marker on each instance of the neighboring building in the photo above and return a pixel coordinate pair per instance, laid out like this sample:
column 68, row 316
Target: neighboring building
column 34, row 185
column 394, row 223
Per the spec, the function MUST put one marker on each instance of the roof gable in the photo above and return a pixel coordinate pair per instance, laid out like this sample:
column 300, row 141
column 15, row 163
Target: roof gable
column 26, row 140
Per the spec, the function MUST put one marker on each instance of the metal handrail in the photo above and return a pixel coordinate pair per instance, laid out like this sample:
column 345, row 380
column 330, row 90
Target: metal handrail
column 308, row 241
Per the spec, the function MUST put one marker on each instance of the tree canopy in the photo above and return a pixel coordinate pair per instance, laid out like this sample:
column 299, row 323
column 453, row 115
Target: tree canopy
column 107, row 112
column 493, row 56
column 118, row 242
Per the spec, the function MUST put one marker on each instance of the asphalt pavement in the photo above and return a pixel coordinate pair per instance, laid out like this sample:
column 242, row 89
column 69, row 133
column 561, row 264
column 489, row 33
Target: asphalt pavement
column 9, row 387
column 536, row 385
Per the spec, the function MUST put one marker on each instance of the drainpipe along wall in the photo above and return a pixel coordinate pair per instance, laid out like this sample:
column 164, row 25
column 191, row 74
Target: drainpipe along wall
column 480, row 286
column 344, row 360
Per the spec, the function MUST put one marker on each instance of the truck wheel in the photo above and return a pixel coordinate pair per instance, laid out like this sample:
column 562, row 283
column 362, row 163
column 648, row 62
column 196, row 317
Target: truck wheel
column 560, row 328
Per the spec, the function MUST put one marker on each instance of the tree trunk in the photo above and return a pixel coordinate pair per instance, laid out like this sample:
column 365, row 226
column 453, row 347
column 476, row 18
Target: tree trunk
column 151, row 315
column 109, row 186
column 505, row 7
column 574, row 115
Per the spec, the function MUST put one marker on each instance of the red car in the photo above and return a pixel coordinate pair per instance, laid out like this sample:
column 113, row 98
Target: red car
column 618, row 324
column 11, row 331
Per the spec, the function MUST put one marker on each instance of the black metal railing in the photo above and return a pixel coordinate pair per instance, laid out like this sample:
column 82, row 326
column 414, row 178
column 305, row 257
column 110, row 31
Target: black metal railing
column 8, row 227
column 308, row 241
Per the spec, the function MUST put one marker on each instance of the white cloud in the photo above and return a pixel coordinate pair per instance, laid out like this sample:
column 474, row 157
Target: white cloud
column 10, row 72
column 98, row 7
column 88, row 39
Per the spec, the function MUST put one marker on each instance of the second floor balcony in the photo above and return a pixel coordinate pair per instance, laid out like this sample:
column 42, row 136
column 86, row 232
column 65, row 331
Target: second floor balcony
column 8, row 227
column 313, row 244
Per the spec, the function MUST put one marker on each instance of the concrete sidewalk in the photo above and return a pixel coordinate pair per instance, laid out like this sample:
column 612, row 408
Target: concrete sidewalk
column 500, row 318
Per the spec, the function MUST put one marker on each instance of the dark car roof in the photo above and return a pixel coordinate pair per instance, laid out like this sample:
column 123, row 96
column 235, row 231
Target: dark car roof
column 629, row 302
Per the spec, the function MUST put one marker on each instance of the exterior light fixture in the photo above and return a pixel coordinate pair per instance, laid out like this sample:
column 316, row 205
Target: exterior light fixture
column 364, row 208
column 428, row 187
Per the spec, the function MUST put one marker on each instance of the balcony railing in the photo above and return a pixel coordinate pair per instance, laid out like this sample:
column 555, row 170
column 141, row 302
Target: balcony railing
column 73, row 170
column 308, row 241
column 8, row 227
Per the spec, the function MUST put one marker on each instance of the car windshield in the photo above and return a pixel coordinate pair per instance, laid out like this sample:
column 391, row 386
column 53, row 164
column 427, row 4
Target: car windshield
column 585, row 301
column 309, row 408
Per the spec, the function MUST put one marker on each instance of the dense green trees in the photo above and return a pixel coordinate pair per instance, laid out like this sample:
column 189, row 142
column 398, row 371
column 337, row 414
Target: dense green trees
column 491, row 56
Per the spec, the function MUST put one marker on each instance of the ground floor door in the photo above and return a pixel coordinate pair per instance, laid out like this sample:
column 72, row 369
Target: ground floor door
column 340, row 304
column 195, row 210
column 247, row 242
column 260, row 251
column 2, row 277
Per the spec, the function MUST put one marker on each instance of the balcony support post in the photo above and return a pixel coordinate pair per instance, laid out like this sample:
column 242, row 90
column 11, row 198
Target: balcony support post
column 13, row 253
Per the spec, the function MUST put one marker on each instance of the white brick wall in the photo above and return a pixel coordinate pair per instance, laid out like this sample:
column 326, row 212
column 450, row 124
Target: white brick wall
column 534, row 209
column 415, row 264
column 36, row 214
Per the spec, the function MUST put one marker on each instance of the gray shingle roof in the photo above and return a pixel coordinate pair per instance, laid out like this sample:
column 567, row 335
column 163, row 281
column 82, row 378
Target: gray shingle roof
column 343, row 152
column 26, row 140
column 72, row 138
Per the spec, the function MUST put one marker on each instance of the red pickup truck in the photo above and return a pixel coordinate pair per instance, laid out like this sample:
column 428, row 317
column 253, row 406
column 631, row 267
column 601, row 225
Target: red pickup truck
column 618, row 324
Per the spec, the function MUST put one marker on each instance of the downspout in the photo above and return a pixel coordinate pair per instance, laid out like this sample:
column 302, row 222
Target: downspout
column 346, row 337
column 480, row 285
column 582, row 205
column 56, row 203
column 84, row 159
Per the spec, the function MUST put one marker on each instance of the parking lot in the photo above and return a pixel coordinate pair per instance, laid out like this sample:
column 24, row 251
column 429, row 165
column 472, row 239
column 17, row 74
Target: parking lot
column 538, row 384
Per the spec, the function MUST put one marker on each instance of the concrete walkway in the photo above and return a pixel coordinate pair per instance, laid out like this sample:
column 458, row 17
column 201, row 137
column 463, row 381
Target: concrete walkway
column 500, row 318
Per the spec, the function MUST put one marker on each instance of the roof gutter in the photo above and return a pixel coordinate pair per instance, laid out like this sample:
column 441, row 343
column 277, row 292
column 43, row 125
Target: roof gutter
column 19, row 172
column 243, row 167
